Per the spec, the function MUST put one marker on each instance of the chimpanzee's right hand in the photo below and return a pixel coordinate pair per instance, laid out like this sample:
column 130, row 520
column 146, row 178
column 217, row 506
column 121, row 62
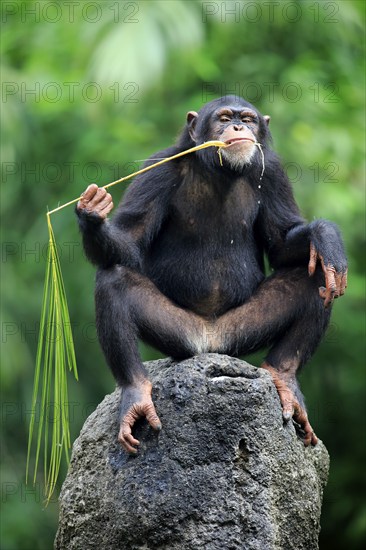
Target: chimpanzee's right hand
column 136, row 403
column 95, row 201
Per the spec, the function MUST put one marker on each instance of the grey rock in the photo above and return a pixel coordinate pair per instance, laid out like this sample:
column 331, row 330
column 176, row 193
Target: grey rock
column 225, row 472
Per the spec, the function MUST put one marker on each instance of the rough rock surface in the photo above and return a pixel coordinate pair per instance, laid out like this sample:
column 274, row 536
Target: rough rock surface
column 224, row 472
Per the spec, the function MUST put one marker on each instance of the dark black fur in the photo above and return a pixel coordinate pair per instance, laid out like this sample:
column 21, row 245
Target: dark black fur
column 191, row 226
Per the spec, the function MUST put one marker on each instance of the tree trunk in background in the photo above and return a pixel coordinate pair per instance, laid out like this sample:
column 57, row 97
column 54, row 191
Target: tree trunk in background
column 224, row 472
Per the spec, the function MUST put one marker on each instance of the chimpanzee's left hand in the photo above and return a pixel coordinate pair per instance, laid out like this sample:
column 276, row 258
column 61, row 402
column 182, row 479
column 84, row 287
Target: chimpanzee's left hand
column 326, row 245
column 335, row 279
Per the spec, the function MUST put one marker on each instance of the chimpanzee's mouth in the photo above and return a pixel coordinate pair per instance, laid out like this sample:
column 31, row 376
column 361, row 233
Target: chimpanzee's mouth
column 238, row 140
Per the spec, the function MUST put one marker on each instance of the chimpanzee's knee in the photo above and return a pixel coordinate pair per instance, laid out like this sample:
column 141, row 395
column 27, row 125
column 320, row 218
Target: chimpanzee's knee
column 112, row 304
column 310, row 319
column 116, row 278
column 303, row 289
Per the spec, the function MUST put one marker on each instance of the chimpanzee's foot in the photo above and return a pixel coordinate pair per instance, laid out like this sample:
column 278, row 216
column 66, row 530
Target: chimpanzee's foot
column 291, row 408
column 136, row 403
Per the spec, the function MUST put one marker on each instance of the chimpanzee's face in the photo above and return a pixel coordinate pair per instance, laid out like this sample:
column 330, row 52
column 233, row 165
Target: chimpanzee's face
column 233, row 121
column 238, row 128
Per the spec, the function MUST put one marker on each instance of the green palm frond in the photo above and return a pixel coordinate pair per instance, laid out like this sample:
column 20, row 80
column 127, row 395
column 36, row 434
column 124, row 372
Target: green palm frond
column 55, row 355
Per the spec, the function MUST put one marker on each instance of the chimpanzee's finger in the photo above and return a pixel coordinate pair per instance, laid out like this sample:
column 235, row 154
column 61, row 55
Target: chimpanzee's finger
column 126, row 438
column 326, row 295
column 343, row 283
column 105, row 211
column 152, row 417
column 330, row 285
column 127, row 447
column 98, row 197
column 89, row 192
column 301, row 418
column 287, row 402
column 106, row 201
column 338, row 282
column 313, row 260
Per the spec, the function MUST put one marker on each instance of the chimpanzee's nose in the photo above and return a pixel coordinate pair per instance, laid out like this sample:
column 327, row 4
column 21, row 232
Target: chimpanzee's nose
column 238, row 127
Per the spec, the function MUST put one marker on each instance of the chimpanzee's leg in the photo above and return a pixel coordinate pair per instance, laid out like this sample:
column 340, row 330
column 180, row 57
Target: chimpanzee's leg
column 129, row 305
column 288, row 314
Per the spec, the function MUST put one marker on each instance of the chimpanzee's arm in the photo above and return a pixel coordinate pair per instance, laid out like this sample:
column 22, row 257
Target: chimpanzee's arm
column 105, row 244
column 290, row 241
column 124, row 238
column 283, row 231
column 323, row 234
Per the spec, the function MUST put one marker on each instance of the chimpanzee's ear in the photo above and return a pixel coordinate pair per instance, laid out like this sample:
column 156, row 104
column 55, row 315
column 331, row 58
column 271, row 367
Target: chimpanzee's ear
column 191, row 123
column 267, row 118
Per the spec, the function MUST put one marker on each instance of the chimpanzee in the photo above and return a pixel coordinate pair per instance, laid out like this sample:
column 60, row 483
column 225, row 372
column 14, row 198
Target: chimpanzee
column 181, row 264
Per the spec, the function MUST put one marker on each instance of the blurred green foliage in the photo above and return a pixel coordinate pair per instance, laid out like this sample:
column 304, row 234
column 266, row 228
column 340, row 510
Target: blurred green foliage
column 91, row 88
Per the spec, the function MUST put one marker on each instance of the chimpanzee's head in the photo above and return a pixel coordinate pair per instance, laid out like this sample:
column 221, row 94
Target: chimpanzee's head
column 234, row 121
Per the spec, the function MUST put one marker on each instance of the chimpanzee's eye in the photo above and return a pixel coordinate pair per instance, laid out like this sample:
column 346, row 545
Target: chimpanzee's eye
column 224, row 118
column 248, row 120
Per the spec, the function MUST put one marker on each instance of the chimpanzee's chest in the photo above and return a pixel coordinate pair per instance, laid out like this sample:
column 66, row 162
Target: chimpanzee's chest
column 217, row 214
column 205, row 257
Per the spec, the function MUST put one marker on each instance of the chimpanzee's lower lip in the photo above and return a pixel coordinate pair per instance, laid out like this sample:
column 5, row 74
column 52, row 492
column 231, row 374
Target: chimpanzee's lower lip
column 237, row 140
